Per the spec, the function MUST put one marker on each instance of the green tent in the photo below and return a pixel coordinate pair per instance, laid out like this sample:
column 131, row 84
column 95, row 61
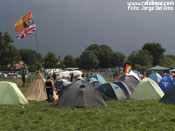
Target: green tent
column 98, row 77
column 147, row 89
column 10, row 94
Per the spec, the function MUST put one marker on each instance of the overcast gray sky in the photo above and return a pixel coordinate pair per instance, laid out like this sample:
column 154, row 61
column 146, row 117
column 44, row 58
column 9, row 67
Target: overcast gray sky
column 69, row 26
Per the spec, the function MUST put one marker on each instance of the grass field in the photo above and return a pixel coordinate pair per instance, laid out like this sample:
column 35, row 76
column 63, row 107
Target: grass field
column 118, row 115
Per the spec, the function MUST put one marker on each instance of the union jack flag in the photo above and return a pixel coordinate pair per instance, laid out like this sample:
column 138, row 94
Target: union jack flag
column 30, row 30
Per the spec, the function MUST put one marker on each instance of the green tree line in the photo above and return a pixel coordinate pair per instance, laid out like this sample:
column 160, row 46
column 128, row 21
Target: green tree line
column 95, row 56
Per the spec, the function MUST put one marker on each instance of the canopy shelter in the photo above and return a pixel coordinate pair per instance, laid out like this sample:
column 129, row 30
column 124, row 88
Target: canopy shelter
column 173, row 70
column 159, row 68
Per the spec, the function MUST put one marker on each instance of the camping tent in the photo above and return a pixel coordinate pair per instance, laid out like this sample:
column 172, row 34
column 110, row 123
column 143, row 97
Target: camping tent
column 81, row 94
column 166, row 83
column 130, row 80
column 155, row 76
column 124, row 87
column 169, row 97
column 96, row 84
column 61, row 83
column 91, row 79
column 36, row 92
column 10, row 94
column 134, row 74
column 138, row 74
column 111, row 91
column 147, row 89
column 98, row 77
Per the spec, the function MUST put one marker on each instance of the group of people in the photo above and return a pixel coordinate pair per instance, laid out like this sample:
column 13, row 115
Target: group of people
column 50, row 88
column 49, row 85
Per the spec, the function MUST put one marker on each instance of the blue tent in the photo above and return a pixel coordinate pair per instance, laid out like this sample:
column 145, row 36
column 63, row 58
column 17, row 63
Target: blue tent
column 61, row 83
column 98, row 77
column 155, row 76
column 124, row 87
column 96, row 84
column 166, row 83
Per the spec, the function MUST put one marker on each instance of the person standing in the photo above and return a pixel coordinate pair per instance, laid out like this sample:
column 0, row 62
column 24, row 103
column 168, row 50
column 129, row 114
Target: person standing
column 23, row 79
column 54, row 76
column 71, row 77
column 49, row 86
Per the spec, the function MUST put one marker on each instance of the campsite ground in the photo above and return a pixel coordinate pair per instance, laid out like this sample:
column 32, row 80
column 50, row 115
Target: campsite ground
column 118, row 115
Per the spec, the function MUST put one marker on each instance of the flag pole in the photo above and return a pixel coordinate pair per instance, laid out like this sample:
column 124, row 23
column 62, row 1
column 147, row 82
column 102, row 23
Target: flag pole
column 36, row 42
column 37, row 48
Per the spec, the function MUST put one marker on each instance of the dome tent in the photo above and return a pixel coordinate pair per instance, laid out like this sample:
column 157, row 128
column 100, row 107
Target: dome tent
column 130, row 80
column 166, row 83
column 147, row 89
column 96, row 84
column 138, row 74
column 134, row 74
column 98, row 77
column 111, row 91
column 155, row 76
column 81, row 94
column 61, row 83
column 124, row 87
column 169, row 97
column 10, row 94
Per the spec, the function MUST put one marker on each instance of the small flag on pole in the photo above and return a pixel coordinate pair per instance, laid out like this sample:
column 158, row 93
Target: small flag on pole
column 127, row 68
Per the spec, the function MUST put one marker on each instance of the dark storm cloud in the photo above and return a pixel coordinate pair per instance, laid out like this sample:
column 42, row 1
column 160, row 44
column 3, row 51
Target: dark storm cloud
column 69, row 26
